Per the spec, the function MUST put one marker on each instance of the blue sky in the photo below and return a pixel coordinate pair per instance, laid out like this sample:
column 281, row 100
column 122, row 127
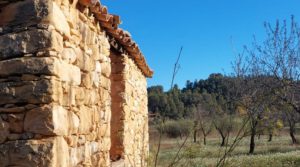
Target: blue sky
column 209, row 31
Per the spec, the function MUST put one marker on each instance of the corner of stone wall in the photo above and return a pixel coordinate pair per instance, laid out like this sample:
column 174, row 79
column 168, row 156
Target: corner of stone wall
column 55, row 103
column 57, row 94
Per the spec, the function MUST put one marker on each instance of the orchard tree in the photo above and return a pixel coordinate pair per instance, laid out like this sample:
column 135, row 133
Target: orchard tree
column 203, row 118
column 251, row 92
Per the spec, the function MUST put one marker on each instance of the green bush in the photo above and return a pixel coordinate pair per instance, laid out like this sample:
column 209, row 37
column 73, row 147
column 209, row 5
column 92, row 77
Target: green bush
column 175, row 129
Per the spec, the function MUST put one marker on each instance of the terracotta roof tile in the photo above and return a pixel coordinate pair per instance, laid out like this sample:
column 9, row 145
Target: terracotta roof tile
column 110, row 24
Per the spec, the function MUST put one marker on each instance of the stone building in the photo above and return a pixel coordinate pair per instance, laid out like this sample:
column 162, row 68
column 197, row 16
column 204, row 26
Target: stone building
column 72, row 87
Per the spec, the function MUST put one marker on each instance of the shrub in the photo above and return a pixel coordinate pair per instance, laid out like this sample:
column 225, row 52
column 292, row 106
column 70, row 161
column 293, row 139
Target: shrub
column 175, row 129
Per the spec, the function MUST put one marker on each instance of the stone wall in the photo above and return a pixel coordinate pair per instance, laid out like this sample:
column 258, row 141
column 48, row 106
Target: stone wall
column 136, row 115
column 129, row 112
column 59, row 104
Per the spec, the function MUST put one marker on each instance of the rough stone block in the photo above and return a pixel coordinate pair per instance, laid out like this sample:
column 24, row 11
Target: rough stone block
column 85, row 115
column 103, row 130
column 105, row 82
column 16, row 123
column 85, row 63
column 80, row 95
column 96, row 79
column 33, row 92
column 59, row 21
column 104, row 96
column 51, row 120
column 69, row 55
column 92, row 97
column 4, row 131
column 25, row 13
column 87, row 81
column 41, row 66
column 69, row 97
column 51, row 152
column 95, row 51
column 18, row 44
column 106, row 69
column 12, row 109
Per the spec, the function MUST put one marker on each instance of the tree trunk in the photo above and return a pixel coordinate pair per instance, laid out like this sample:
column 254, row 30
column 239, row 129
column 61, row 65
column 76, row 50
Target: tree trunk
column 196, row 129
column 258, row 136
column 223, row 141
column 252, row 140
column 292, row 134
column 204, row 139
column 223, row 137
column 270, row 137
column 195, row 136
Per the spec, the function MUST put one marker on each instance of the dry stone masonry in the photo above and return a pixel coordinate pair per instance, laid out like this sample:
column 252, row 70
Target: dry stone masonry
column 72, row 87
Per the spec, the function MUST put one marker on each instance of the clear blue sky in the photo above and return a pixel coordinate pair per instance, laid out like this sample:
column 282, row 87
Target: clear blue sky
column 205, row 28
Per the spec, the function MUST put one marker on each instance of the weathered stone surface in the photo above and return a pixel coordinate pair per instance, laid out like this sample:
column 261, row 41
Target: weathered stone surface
column 69, row 96
column 85, row 116
column 72, row 140
column 4, row 131
column 15, row 45
column 27, row 136
column 25, row 13
column 129, row 96
column 106, row 69
column 105, row 46
column 85, row 63
column 16, row 123
column 12, row 110
column 56, row 41
column 72, row 17
column 41, row 66
column 74, row 123
column 105, row 98
column 69, row 73
column 34, row 92
column 47, row 120
column 27, row 65
column 87, row 81
column 59, row 21
column 51, row 152
column 103, row 130
column 80, row 95
column 69, row 55
column 105, row 82
column 29, row 77
column 14, row 136
column 96, row 79
column 95, row 51
column 91, row 98
column 98, row 67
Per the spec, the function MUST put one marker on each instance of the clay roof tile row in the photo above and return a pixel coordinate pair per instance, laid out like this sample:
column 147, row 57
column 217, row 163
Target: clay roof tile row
column 110, row 24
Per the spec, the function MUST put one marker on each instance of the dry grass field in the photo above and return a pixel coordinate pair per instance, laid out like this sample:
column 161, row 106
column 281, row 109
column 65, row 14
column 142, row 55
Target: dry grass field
column 277, row 153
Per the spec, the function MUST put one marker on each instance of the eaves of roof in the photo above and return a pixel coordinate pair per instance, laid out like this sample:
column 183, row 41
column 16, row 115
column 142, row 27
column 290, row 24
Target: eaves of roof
column 120, row 39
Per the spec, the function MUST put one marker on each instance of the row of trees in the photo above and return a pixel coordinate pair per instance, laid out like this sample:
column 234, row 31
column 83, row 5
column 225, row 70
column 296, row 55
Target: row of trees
column 264, row 90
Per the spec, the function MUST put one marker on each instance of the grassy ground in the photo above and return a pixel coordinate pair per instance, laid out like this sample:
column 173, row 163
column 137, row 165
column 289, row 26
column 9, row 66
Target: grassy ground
column 278, row 153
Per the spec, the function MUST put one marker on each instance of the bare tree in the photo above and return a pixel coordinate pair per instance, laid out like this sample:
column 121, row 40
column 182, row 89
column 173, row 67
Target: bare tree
column 291, row 117
column 202, row 123
column 229, row 148
column 224, row 125
column 253, row 95
column 279, row 56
